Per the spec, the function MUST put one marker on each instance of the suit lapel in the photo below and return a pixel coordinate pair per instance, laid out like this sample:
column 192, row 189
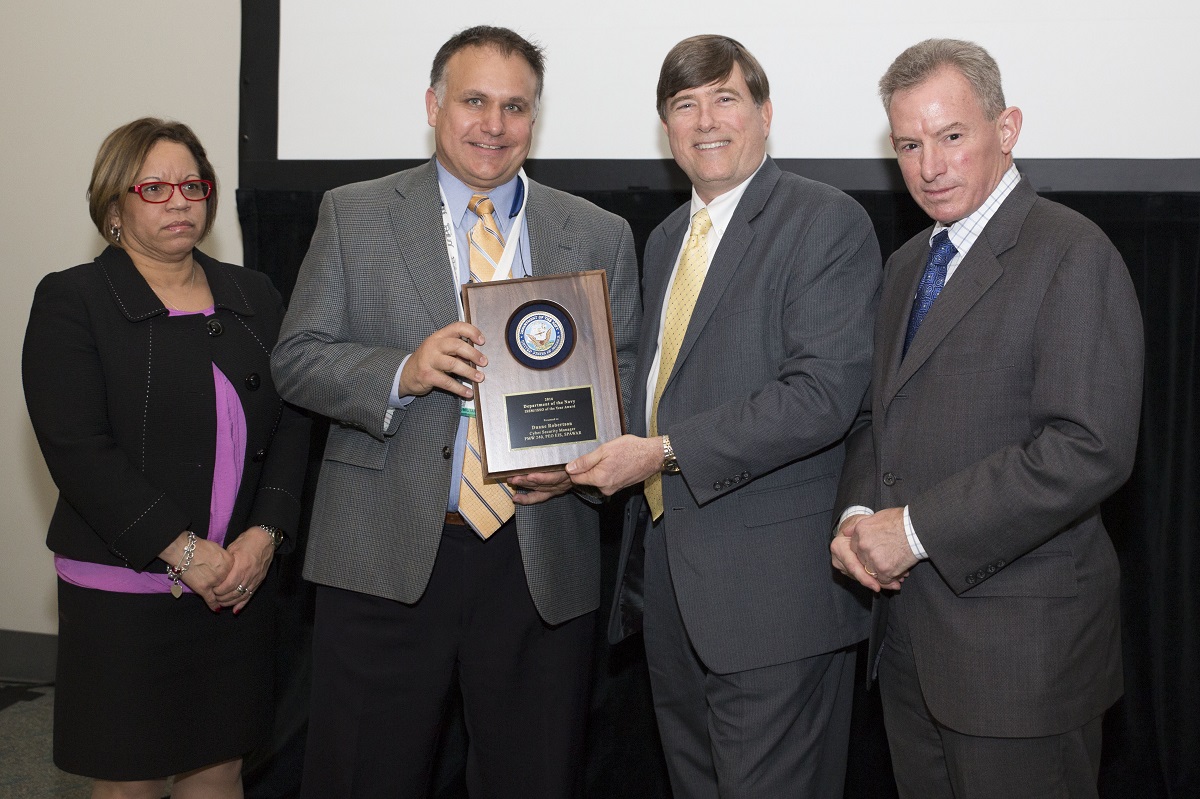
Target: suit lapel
column 662, row 249
column 552, row 237
column 974, row 276
column 416, row 217
column 977, row 273
column 894, row 310
column 729, row 257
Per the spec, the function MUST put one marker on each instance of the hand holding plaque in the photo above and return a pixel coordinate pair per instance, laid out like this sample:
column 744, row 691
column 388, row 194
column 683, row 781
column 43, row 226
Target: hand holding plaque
column 552, row 390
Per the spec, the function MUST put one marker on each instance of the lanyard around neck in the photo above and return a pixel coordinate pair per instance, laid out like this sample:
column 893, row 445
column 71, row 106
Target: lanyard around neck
column 511, row 244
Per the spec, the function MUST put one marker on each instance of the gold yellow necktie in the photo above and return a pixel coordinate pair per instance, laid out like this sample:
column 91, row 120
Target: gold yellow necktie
column 689, row 279
column 484, row 505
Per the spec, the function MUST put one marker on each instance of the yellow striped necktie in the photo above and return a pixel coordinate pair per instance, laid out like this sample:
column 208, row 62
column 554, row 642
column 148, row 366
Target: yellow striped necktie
column 484, row 505
column 689, row 279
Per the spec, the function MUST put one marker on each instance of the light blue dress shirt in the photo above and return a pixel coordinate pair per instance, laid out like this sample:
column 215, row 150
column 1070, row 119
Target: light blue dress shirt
column 507, row 200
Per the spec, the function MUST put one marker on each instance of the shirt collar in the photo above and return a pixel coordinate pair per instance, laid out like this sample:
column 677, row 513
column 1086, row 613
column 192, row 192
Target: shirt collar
column 721, row 209
column 458, row 195
column 965, row 231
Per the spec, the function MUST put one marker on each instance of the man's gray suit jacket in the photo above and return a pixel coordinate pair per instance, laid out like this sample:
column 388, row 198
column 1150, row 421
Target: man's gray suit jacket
column 1014, row 414
column 375, row 283
column 770, row 376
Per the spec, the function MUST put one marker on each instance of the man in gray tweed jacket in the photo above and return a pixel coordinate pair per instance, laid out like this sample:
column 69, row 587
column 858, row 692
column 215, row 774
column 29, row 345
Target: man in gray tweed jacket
column 411, row 603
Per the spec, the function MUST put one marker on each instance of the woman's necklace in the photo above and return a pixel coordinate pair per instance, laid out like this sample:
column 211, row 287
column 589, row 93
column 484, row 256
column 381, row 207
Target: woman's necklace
column 158, row 290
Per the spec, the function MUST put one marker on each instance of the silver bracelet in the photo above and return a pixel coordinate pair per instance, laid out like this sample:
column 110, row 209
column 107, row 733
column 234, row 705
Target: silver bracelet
column 174, row 572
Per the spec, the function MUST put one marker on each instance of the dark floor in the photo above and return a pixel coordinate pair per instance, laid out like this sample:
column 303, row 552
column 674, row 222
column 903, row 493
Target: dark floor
column 26, row 768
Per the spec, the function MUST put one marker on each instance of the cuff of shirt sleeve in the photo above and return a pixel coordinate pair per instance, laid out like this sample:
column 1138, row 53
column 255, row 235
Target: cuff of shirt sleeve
column 395, row 400
column 910, row 533
column 854, row 510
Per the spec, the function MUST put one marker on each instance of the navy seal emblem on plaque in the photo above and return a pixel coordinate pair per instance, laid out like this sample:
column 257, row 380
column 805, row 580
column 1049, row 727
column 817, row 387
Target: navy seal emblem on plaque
column 540, row 334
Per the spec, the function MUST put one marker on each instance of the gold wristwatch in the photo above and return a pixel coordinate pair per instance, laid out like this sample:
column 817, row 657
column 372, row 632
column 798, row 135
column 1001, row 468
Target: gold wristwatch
column 670, row 464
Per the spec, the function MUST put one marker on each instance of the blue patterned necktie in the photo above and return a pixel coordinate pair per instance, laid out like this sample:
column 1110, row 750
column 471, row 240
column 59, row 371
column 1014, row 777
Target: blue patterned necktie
column 941, row 253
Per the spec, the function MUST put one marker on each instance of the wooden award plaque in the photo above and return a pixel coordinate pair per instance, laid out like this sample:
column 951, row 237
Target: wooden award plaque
column 551, row 391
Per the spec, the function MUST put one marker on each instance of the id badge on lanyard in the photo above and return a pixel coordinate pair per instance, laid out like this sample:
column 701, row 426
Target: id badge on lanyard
column 503, row 269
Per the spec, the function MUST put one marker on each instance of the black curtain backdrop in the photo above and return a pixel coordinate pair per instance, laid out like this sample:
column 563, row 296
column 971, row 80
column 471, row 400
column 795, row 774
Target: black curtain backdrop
column 1151, row 746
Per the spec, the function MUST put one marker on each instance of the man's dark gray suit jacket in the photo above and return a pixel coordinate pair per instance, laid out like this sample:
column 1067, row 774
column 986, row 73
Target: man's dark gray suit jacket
column 1014, row 414
column 770, row 376
column 375, row 283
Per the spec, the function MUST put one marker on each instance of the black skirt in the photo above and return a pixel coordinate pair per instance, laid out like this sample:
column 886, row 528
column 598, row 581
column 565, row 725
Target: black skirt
column 149, row 686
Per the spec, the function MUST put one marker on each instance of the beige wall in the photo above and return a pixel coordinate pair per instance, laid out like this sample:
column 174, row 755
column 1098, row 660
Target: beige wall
column 72, row 71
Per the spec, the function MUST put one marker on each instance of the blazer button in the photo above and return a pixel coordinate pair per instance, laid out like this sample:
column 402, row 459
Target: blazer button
column 447, row 452
column 970, row 579
column 260, row 456
column 728, row 482
column 214, row 328
column 992, row 569
column 889, row 479
column 717, row 486
column 745, row 475
column 981, row 574
column 253, row 381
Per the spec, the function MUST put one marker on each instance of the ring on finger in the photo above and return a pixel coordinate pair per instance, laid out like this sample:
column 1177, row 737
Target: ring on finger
column 241, row 589
column 873, row 574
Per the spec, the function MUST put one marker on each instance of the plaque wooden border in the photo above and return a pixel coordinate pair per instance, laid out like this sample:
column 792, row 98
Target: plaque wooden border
column 591, row 364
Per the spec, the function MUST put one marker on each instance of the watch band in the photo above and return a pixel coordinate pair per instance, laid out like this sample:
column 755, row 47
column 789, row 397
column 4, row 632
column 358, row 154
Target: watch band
column 275, row 533
column 670, row 464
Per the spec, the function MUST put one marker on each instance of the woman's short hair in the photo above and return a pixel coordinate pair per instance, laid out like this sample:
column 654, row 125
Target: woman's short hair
column 121, row 157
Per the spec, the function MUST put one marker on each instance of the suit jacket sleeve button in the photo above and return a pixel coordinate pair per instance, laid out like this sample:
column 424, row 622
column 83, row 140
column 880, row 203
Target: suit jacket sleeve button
column 889, row 479
column 717, row 486
column 447, row 452
column 970, row 579
column 745, row 475
column 253, row 381
column 214, row 328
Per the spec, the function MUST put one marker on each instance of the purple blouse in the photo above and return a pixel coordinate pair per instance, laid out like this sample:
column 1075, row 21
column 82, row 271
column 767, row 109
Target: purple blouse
column 227, row 477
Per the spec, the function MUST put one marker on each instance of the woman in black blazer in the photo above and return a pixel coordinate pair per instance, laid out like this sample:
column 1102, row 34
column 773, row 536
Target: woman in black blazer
column 147, row 376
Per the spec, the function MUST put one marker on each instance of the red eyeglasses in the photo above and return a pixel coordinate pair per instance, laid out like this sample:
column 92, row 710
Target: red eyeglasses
column 158, row 191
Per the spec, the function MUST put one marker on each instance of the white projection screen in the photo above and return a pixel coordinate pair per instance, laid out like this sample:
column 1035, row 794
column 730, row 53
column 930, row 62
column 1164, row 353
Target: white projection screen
column 1097, row 80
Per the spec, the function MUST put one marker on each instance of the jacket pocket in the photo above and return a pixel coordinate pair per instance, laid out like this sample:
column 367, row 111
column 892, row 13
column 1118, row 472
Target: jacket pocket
column 356, row 448
column 792, row 501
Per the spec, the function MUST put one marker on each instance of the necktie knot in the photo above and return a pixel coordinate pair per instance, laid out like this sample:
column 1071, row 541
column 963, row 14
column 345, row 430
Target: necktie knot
column 487, row 242
column 942, row 250
column 701, row 223
column 482, row 205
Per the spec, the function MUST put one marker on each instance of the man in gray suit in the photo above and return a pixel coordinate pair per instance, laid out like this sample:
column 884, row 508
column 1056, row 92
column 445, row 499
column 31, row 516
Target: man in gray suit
column 412, row 601
column 1004, row 409
column 740, row 408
